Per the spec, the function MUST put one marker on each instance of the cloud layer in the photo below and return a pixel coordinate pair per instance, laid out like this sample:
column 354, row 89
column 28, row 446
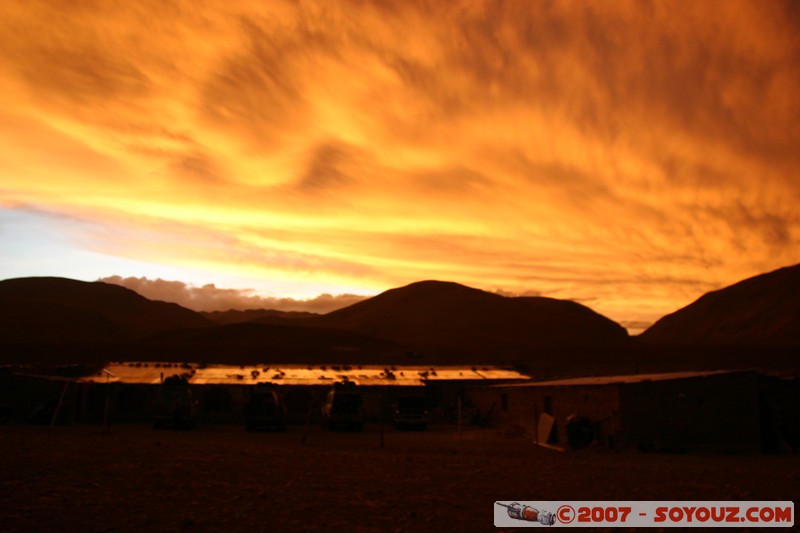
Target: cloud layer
column 630, row 155
column 211, row 298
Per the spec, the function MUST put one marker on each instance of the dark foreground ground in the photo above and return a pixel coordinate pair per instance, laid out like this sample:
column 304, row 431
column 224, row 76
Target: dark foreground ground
column 221, row 478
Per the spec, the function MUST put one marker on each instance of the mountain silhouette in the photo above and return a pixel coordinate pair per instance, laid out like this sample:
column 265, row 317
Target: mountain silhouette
column 429, row 319
column 51, row 310
column 760, row 311
column 59, row 320
column 437, row 314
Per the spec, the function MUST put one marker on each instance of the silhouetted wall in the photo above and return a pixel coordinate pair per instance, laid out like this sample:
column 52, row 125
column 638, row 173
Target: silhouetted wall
column 704, row 413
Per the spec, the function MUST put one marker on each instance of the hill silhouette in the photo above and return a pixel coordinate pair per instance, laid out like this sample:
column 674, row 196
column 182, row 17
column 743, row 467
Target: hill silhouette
column 58, row 320
column 429, row 320
column 437, row 314
column 263, row 316
column 51, row 310
column 760, row 311
column 256, row 342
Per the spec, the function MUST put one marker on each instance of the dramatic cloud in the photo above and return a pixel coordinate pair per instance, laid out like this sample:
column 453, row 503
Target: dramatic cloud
column 630, row 155
column 210, row 298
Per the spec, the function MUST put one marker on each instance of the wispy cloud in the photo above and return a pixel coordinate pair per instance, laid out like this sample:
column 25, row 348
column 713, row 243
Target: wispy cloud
column 631, row 154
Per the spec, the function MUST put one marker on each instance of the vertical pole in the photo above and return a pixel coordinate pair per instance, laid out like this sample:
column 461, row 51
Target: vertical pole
column 459, row 418
column 106, row 423
column 308, row 417
column 536, row 422
column 58, row 407
column 381, row 410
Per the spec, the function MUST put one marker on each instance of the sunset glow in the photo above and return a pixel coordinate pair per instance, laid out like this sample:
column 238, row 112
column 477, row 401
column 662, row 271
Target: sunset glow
column 628, row 155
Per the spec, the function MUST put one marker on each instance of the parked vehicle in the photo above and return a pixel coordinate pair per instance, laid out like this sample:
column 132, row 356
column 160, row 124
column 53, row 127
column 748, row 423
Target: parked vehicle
column 343, row 407
column 411, row 412
column 265, row 408
column 173, row 405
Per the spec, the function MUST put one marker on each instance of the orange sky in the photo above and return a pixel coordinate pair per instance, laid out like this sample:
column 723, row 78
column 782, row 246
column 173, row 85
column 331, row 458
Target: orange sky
column 628, row 155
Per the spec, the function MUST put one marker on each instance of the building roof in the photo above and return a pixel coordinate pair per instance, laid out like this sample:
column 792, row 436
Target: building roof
column 154, row 373
column 613, row 380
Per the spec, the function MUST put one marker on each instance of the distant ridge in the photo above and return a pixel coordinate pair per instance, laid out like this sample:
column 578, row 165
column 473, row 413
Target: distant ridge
column 760, row 311
column 255, row 339
column 264, row 316
column 54, row 310
column 446, row 314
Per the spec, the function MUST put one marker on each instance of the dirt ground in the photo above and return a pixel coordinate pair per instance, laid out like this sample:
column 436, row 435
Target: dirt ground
column 222, row 478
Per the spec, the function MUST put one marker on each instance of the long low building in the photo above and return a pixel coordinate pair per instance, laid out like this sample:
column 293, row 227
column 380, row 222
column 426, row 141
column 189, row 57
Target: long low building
column 724, row 411
column 362, row 375
column 221, row 391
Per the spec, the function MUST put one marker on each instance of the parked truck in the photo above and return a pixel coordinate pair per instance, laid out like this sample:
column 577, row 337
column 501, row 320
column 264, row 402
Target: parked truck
column 173, row 405
column 343, row 407
column 410, row 412
column 265, row 408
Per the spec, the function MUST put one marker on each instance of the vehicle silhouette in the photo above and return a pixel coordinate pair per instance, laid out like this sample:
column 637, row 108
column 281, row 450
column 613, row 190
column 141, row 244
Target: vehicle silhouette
column 265, row 408
column 343, row 407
